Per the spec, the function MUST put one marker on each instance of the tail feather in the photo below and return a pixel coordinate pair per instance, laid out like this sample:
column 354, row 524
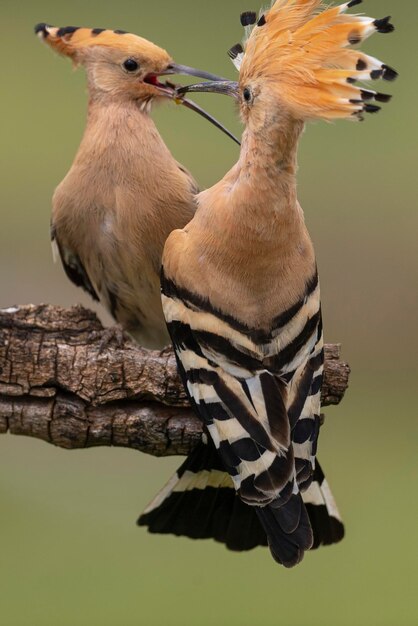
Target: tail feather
column 200, row 502
column 323, row 512
column 230, row 521
column 287, row 543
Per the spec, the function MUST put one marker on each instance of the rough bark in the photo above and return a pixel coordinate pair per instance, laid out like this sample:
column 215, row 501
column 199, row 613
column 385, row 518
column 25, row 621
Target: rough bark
column 63, row 381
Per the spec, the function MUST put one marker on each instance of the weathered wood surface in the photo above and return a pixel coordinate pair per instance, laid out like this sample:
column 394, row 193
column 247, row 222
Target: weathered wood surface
column 58, row 384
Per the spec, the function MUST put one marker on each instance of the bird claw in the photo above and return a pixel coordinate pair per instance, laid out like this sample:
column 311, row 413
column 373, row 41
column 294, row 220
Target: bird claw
column 113, row 335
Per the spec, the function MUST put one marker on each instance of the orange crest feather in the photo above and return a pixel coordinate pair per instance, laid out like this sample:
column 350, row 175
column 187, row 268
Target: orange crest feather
column 71, row 40
column 303, row 50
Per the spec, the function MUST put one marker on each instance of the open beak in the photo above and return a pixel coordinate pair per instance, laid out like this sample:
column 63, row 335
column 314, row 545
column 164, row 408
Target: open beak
column 173, row 91
column 224, row 87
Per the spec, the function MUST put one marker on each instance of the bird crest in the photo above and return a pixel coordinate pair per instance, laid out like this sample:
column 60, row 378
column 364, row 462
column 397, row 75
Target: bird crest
column 305, row 51
column 72, row 41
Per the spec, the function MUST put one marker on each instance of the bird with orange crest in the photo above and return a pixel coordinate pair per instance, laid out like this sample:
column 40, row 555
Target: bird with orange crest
column 241, row 293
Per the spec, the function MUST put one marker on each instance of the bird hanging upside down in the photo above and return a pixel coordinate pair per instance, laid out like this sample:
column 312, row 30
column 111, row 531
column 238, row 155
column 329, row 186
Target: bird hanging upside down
column 125, row 192
column 241, row 294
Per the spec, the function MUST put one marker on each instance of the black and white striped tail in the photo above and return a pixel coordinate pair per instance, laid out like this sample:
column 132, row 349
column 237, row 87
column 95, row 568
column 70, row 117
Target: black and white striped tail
column 200, row 502
column 323, row 513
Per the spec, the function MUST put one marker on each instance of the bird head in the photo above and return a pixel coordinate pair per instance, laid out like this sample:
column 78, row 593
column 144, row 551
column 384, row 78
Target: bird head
column 123, row 65
column 298, row 61
column 117, row 62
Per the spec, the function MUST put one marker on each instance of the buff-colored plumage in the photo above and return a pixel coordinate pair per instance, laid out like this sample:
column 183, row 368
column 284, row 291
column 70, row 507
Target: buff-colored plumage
column 125, row 192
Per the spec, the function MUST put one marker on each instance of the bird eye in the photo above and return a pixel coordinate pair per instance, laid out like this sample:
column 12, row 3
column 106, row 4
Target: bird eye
column 247, row 94
column 131, row 65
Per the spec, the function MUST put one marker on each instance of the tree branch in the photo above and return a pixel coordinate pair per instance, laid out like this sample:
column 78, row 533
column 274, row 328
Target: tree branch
column 58, row 384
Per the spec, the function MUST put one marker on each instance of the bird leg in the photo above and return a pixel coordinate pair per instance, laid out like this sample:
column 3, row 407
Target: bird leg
column 113, row 335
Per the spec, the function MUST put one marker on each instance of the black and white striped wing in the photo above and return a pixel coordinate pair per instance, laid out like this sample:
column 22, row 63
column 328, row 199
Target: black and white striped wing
column 304, row 412
column 240, row 384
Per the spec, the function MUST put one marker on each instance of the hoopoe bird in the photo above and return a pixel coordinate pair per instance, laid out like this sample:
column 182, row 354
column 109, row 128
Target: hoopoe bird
column 241, row 294
column 125, row 192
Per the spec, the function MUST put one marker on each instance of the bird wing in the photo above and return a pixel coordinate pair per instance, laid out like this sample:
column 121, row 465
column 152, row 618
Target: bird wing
column 194, row 187
column 72, row 265
column 304, row 411
column 240, row 383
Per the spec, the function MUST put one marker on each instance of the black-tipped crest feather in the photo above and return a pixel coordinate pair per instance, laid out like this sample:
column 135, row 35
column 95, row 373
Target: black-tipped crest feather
column 235, row 51
column 384, row 26
column 248, row 18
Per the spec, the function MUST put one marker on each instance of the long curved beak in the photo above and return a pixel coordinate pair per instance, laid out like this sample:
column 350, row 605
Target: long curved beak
column 175, row 68
column 224, row 87
column 189, row 104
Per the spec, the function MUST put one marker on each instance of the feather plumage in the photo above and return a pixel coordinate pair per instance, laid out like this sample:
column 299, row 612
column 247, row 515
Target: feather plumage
column 200, row 502
column 262, row 425
column 303, row 50
column 240, row 289
column 73, row 41
column 125, row 192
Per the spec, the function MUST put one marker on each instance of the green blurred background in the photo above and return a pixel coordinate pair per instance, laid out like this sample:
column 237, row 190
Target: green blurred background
column 70, row 553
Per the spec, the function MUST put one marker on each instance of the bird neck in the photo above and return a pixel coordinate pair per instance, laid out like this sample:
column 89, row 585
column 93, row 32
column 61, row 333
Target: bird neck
column 267, row 165
column 113, row 108
column 117, row 134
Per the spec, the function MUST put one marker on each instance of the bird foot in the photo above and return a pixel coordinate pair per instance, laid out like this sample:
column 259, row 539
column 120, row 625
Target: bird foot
column 113, row 335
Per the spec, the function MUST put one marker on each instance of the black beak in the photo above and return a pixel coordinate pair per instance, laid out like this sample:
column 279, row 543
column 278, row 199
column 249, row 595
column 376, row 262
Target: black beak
column 189, row 104
column 224, row 87
column 173, row 68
